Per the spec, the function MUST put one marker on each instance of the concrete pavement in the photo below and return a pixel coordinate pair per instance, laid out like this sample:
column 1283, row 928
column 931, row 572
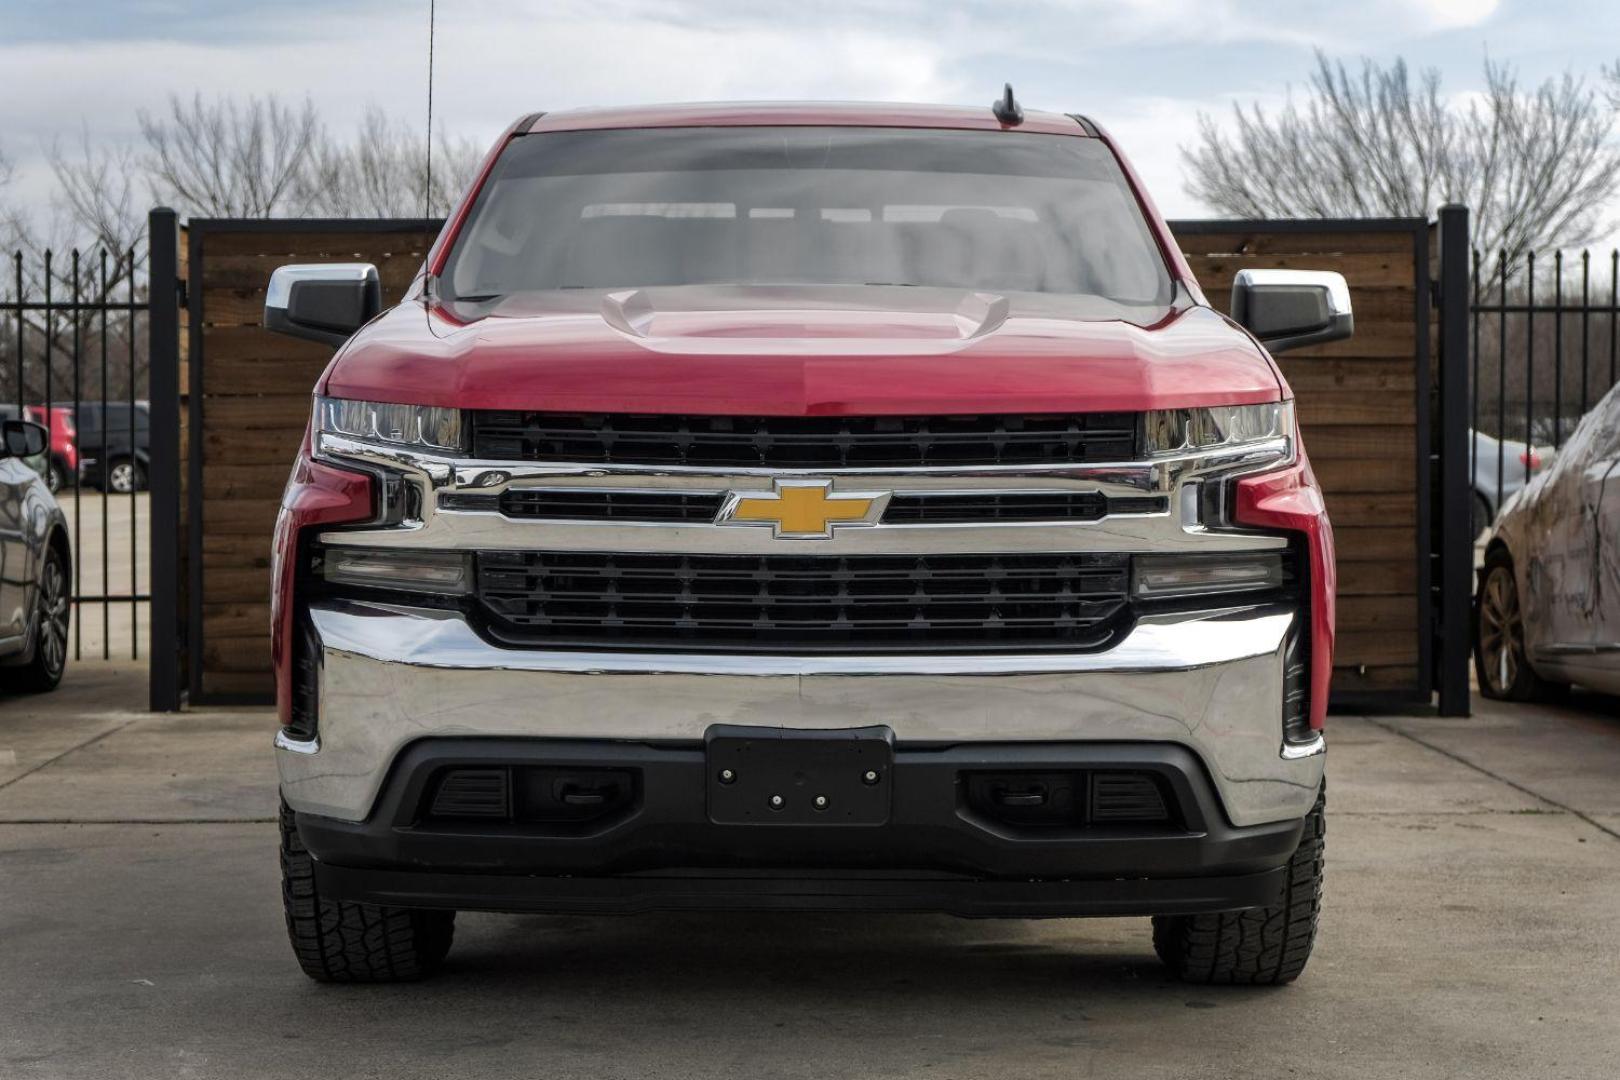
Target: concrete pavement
column 1472, row 928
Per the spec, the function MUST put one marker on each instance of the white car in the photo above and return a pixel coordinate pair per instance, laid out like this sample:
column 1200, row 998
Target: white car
column 1548, row 605
column 1499, row 468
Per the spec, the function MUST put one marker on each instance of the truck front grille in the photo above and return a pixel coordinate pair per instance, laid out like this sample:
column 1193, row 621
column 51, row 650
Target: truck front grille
column 786, row 603
column 701, row 508
column 802, row 442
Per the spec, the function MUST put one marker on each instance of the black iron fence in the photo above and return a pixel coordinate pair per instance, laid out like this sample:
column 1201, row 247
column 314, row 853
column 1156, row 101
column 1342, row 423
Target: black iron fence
column 1545, row 350
column 74, row 358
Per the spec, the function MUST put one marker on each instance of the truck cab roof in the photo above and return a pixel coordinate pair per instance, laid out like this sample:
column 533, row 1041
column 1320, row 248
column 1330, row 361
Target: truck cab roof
column 800, row 113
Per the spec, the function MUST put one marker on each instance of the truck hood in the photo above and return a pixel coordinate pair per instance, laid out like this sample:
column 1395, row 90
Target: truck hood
column 792, row 351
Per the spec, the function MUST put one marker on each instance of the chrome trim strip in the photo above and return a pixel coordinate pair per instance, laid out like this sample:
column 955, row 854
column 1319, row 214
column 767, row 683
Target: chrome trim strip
column 493, row 531
column 429, row 638
column 1175, row 531
column 484, row 475
column 1299, row 751
column 1338, row 289
column 1576, row 648
column 286, row 742
column 279, row 292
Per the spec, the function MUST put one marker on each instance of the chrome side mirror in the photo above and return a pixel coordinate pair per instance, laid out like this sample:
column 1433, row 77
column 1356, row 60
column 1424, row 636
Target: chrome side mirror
column 1289, row 309
column 325, row 302
column 22, row 439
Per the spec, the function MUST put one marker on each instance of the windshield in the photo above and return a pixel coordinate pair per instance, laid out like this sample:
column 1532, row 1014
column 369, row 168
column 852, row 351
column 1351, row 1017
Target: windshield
column 984, row 210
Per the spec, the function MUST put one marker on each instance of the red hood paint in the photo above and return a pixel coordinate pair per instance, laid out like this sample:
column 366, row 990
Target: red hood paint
column 784, row 351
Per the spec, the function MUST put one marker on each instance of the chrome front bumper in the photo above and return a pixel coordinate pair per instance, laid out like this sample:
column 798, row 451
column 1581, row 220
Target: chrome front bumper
column 1212, row 682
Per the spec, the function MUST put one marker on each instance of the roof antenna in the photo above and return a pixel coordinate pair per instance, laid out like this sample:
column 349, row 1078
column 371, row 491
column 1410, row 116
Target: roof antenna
column 1007, row 109
column 427, row 181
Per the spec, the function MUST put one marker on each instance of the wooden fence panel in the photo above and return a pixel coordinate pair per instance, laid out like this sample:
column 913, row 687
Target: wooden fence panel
column 1361, row 420
column 252, row 392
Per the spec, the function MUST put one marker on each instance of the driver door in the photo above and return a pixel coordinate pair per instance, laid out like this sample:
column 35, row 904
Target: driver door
column 1575, row 572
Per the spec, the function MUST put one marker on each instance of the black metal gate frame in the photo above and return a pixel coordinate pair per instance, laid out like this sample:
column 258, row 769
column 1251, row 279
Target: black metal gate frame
column 1454, row 545
column 1445, row 555
column 167, row 294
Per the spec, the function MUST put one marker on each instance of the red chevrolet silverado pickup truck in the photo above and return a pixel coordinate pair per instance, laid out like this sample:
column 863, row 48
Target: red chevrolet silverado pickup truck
column 792, row 507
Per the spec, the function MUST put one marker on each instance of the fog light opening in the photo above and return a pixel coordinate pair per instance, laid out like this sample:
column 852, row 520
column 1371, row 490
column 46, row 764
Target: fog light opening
column 1171, row 577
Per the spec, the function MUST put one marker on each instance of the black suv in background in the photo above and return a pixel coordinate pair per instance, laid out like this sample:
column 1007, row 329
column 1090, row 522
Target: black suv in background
column 113, row 440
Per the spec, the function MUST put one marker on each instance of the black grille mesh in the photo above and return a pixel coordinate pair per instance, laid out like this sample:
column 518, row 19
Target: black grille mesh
column 1010, row 506
column 565, row 504
column 794, row 602
column 802, row 442
column 1126, row 796
column 473, row 793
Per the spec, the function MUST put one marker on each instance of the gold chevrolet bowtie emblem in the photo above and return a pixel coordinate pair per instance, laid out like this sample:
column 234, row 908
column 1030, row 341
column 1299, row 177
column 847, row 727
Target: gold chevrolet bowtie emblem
column 802, row 509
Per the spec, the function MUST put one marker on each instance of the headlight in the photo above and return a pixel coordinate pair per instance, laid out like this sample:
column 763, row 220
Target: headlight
column 424, row 427
column 1217, row 427
column 440, row 572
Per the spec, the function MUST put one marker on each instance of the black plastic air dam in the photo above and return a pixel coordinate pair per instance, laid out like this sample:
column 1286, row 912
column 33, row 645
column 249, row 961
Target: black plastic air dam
column 642, row 894
column 933, row 853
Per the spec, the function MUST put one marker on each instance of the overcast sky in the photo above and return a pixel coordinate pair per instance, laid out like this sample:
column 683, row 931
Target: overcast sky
column 1143, row 68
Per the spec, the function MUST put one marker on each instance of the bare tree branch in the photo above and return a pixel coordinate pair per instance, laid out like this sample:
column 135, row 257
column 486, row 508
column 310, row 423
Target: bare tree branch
column 383, row 171
column 1535, row 166
column 10, row 216
column 98, row 192
column 230, row 158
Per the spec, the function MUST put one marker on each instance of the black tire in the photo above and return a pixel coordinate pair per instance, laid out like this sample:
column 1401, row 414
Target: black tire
column 54, row 477
column 1266, row 946
column 1482, row 516
column 53, row 610
column 1501, row 664
column 125, row 475
column 337, row 941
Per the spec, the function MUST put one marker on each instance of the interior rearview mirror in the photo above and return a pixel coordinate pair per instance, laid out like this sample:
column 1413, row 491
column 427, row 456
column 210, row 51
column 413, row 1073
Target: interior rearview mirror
column 22, row 439
column 325, row 302
column 1289, row 309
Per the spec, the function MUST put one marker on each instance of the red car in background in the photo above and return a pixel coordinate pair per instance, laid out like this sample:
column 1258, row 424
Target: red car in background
column 105, row 444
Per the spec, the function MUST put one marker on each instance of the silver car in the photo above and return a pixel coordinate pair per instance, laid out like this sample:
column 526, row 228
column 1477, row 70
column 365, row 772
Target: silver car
column 36, row 566
column 1514, row 462
column 1548, row 605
